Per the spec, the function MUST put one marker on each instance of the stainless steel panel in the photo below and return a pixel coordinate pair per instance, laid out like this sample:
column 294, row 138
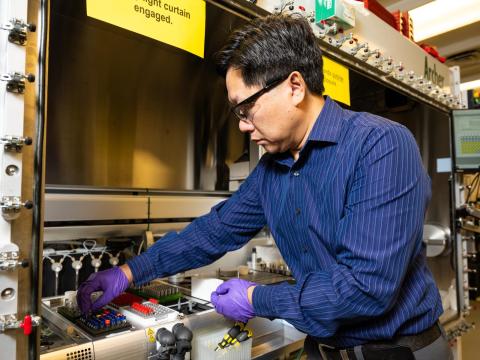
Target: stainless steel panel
column 78, row 207
column 62, row 233
column 84, row 352
column 124, row 346
column 128, row 111
column 182, row 206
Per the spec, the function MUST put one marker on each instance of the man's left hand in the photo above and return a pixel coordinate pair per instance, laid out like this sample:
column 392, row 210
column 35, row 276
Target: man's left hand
column 231, row 300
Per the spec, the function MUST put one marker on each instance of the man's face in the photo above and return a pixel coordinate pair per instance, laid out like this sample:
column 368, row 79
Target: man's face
column 270, row 119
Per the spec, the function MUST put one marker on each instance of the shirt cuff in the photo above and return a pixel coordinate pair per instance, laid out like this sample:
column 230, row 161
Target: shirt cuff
column 263, row 299
column 143, row 269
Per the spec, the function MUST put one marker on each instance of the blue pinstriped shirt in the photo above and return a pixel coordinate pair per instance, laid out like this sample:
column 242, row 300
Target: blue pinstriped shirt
column 347, row 217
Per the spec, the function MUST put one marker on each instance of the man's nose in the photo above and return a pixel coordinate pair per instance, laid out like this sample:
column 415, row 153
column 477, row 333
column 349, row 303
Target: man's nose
column 246, row 126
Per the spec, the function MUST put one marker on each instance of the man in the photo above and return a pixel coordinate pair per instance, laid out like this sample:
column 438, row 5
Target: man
column 344, row 195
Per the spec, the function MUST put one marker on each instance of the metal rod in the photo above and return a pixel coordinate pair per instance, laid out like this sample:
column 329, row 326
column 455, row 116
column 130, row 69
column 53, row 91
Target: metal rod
column 56, row 282
column 77, row 276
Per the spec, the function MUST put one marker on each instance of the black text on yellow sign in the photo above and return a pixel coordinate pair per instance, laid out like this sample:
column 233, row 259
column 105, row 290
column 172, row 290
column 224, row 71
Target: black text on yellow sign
column 180, row 23
column 336, row 81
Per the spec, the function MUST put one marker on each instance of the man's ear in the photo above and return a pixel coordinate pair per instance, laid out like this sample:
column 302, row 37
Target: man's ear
column 297, row 86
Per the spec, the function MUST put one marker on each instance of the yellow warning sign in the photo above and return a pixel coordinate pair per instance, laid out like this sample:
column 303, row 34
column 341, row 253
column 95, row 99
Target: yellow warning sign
column 178, row 23
column 336, row 81
column 151, row 335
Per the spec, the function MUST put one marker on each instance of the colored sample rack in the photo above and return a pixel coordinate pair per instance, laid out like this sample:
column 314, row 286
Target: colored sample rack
column 101, row 322
column 151, row 309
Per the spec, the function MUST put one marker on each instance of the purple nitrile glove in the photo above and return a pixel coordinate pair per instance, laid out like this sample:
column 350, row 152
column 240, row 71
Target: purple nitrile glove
column 231, row 300
column 112, row 282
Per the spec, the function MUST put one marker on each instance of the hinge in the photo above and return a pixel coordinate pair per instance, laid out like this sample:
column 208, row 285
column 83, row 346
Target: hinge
column 11, row 206
column 10, row 260
column 15, row 143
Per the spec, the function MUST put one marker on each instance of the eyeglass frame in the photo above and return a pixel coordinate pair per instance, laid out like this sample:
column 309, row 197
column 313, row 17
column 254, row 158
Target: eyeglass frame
column 253, row 98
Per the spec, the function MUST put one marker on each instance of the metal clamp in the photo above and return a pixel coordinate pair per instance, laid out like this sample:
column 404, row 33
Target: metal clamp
column 387, row 65
column 15, row 143
column 9, row 260
column 351, row 46
column 326, row 29
column 283, row 6
column 459, row 330
column 363, row 52
column 339, row 42
column 16, row 81
column 18, row 30
column 11, row 206
column 8, row 322
column 399, row 71
column 375, row 58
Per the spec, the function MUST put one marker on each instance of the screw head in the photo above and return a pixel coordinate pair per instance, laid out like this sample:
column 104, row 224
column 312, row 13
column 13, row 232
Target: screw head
column 11, row 170
column 7, row 294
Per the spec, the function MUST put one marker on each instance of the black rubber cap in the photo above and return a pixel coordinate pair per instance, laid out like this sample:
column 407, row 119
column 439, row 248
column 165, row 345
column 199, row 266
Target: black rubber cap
column 28, row 204
column 165, row 337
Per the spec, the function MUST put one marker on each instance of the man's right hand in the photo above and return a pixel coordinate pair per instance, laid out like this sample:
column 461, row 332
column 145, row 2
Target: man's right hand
column 112, row 282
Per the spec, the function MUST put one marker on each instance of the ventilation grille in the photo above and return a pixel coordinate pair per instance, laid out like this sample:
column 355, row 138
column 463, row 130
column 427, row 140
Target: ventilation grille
column 83, row 354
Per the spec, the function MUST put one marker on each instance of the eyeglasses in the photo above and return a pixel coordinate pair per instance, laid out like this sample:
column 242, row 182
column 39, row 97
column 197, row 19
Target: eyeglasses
column 241, row 110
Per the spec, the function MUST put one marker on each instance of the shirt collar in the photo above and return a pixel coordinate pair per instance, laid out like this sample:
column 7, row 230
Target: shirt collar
column 328, row 125
column 327, row 128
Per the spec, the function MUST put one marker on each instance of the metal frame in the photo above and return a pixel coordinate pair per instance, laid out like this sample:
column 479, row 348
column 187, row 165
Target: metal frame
column 13, row 55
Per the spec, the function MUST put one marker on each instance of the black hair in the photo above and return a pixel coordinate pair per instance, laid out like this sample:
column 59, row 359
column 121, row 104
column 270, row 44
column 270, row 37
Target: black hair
column 271, row 47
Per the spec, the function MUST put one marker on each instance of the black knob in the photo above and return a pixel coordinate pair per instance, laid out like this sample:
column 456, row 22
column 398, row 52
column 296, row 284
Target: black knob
column 183, row 336
column 167, row 343
column 31, row 78
column 28, row 204
column 28, row 140
column 25, row 263
column 181, row 332
column 165, row 337
column 32, row 27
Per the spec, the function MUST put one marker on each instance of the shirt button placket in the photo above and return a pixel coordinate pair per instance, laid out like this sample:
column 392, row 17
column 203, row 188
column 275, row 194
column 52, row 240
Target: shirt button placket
column 296, row 173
